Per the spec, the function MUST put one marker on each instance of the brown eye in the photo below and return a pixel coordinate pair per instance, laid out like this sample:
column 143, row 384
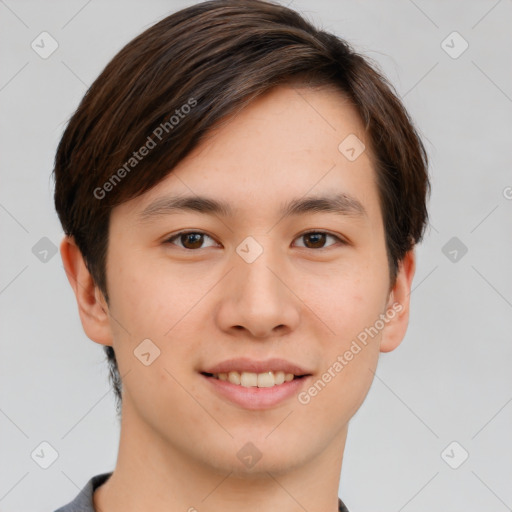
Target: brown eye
column 189, row 240
column 317, row 239
column 194, row 239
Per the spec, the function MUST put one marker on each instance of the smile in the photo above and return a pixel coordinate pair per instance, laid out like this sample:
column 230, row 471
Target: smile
column 251, row 380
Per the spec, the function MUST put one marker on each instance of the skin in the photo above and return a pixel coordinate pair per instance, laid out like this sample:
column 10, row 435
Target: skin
column 296, row 301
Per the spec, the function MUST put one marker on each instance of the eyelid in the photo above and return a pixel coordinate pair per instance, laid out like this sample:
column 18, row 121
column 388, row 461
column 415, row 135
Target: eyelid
column 340, row 239
column 169, row 238
column 201, row 232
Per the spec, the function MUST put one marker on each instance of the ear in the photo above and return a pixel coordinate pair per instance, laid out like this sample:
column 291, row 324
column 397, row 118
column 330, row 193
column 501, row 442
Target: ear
column 397, row 307
column 92, row 306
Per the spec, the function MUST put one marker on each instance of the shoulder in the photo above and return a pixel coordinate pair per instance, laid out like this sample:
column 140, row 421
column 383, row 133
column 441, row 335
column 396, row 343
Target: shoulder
column 83, row 501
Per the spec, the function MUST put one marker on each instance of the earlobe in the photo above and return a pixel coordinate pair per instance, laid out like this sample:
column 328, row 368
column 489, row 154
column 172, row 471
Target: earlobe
column 397, row 309
column 92, row 306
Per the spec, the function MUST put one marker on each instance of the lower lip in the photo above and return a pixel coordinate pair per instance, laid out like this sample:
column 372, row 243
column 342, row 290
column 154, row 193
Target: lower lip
column 256, row 398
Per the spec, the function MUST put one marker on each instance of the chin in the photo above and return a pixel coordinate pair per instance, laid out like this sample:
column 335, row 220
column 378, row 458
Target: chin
column 275, row 465
column 254, row 456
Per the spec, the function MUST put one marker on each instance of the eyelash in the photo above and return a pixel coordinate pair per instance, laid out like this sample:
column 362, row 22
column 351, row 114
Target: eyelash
column 181, row 233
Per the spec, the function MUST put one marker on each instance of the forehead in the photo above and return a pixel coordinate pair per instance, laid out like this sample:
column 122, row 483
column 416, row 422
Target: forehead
column 286, row 144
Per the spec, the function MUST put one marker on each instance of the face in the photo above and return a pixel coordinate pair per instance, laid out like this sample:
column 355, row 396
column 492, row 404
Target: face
column 253, row 287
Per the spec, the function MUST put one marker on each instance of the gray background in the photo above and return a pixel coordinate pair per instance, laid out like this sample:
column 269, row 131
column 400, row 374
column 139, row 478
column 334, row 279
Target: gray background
column 451, row 378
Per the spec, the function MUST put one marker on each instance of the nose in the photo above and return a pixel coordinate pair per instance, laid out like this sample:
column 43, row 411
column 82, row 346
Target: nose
column 258, row 299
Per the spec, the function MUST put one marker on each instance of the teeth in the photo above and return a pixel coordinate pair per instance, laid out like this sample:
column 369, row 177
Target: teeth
column 248, row 380
column 234, row 377
column 266, row 380
column 260, row 380
column 279, row 377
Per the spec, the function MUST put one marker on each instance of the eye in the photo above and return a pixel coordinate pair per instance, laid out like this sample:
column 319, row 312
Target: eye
column 317, row 239
column 190, row 239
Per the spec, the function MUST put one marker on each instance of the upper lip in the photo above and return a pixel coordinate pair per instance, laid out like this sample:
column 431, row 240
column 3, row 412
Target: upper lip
column 243, row 364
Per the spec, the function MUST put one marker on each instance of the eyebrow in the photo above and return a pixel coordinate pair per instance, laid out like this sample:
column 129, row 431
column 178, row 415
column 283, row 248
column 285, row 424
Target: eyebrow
column 340, row 204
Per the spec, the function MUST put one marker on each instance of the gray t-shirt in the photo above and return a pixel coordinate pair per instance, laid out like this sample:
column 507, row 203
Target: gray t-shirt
column 83, row 502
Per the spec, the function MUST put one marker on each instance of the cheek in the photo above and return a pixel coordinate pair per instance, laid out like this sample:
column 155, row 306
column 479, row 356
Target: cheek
column 351, row 310
column 151, row 303
column 349, row 300
column 147, row 299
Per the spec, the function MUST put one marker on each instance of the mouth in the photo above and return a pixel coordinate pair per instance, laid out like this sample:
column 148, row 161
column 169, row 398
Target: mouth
column 266, row 379
column 256, row 385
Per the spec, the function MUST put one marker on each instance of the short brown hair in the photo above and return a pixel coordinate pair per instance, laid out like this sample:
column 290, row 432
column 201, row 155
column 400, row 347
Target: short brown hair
column 215, row 57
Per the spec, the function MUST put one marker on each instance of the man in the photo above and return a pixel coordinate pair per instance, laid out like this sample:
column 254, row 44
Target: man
column 241, row 196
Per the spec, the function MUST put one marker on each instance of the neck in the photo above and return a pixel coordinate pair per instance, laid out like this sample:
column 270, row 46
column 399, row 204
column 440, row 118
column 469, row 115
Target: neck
column 152, row 474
